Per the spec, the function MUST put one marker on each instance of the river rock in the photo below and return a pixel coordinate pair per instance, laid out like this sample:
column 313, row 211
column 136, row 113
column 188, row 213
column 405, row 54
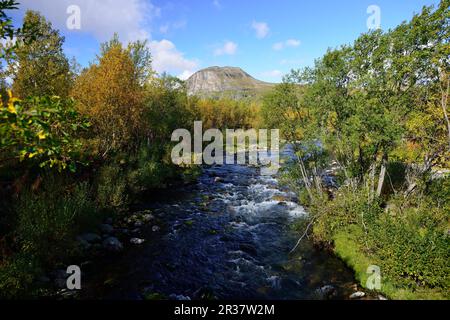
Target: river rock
column 282, row 204
column 147, row 217
column 112, row 244
column 137, row 241
column 179, row 297
column 279, row 198
column 156, row 228
column 326, row 292
column 218, row 179
column 357, row 295
column 106, row 228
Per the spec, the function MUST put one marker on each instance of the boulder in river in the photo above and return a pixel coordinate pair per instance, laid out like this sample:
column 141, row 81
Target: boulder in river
column 137, row 241
column 147, row 217
column 106, row 228
column 112, row 244
column 326, row 292
column 179, row 297
column 357, row 295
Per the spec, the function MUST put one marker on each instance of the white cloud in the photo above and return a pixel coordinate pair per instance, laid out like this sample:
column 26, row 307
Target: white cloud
column 164, row 28
column 186, row 74
column 166, row 58
column 292, row 43
column 228, row 48
column 262, row 29
column 285, row 44
column 130, row 19
column 168, row 27
column 278, row 46
column 272, row 74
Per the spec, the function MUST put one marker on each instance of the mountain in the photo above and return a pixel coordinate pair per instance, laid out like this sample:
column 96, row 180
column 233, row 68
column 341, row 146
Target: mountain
column 226, row 82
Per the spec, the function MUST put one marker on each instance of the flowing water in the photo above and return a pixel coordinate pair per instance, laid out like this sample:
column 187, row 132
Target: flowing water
column 227, row 237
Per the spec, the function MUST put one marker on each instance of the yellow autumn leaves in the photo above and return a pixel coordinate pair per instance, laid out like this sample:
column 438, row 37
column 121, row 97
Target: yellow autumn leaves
column 11, row 103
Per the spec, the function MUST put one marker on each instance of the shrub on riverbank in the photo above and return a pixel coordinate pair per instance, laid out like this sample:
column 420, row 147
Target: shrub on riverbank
column 373, row 160
column 67, row 164
column 408, row 241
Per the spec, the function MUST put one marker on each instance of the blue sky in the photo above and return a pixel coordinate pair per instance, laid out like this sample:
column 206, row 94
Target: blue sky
column 267, row 38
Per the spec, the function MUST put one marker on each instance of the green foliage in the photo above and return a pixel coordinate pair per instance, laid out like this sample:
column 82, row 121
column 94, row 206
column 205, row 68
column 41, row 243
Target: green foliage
column 439, row 192
column 282, row 109
column 379, row 109
column 49, row 219
column 413, row 246
column 42, row 130
column 349, row 247
column 8, row 32
column 167, row 108
column 45, row 227
column 347, row 208
column 40, row 67
column 149, row 171
column 17, row 276
column 409, row 241
column 112, row 188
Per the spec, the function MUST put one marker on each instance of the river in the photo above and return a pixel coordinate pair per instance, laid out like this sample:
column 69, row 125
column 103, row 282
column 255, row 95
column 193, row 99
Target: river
column 226, row 237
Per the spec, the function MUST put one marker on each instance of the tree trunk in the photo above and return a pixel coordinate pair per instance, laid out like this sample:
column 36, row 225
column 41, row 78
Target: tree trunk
column 371, row 183
column 444, row 101
column 382, row 176
column 305, row 176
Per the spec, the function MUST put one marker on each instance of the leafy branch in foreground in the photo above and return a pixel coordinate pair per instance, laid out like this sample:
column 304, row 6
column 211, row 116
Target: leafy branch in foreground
column 42, row 130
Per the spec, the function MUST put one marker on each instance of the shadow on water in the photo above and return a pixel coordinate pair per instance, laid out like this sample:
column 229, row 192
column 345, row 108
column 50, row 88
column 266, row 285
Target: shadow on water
column 226, row 237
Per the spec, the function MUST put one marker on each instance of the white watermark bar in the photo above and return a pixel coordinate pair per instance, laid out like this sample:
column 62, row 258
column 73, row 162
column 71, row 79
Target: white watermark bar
column 236, row 146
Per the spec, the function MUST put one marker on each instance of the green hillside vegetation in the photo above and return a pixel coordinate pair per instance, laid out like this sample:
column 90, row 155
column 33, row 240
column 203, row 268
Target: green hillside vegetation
column 374, row 115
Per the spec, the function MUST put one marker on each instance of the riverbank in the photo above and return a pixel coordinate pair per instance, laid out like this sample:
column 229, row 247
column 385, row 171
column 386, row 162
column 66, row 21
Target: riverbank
column 347, row 247
column 412, row 259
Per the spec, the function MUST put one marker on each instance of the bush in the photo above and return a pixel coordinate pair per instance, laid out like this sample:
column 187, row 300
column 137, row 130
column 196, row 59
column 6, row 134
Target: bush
column 112, row 188
column 45, row 225
column 412, row 244
column 348, row 208
column 50, row 219
column 42, row 131
column 408, row 240
column 439, row 192
column 17, row 276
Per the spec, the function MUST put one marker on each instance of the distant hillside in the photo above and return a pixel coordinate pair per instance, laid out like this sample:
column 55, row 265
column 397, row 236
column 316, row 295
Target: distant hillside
column 226, row 82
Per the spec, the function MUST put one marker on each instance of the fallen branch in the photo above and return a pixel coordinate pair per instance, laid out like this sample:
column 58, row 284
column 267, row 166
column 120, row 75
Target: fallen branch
column 303, row 236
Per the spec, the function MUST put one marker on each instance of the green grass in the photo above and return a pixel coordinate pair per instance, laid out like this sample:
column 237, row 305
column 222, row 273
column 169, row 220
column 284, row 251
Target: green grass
column 347, row 246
